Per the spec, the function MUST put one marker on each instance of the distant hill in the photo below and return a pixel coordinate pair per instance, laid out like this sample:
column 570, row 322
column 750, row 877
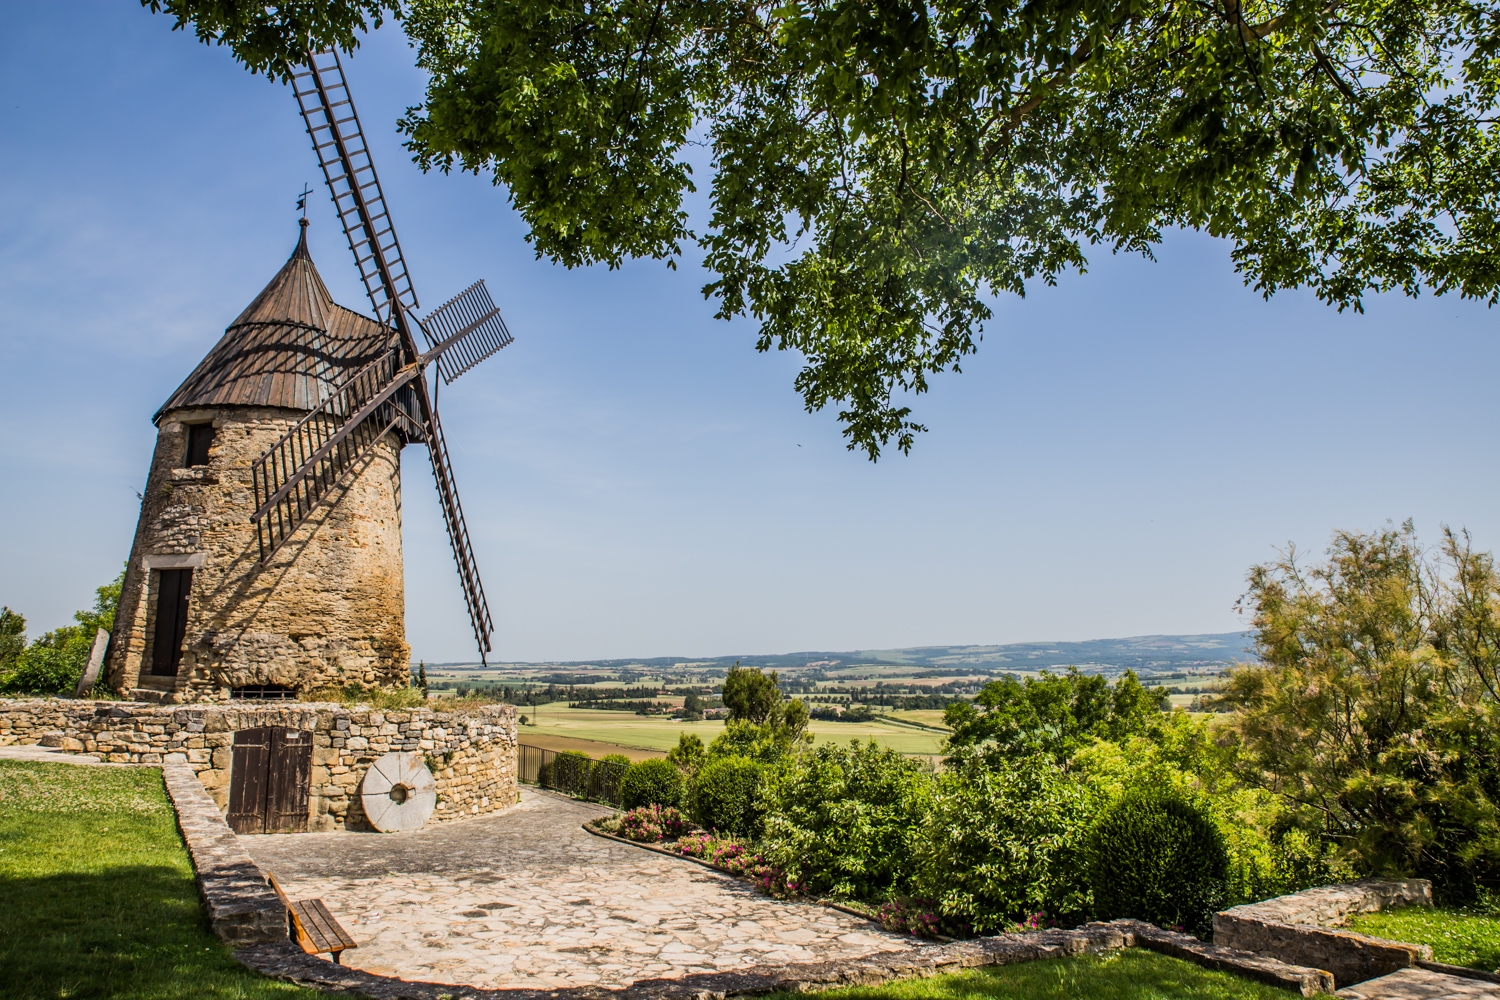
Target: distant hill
column 1144, row 653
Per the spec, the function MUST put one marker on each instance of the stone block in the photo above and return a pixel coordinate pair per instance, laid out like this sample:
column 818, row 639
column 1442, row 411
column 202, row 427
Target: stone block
column 1350, row 957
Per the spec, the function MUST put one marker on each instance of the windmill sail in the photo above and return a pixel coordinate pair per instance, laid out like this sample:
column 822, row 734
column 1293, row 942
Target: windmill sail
column 339, row 142
column 467, row 329
column 303, row 470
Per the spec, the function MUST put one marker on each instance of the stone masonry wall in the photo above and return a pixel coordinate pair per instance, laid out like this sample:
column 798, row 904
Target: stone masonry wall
column 471, row 753
column 328, row 610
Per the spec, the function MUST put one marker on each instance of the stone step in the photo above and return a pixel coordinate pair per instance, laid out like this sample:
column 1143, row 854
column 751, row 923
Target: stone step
column 1421, row 984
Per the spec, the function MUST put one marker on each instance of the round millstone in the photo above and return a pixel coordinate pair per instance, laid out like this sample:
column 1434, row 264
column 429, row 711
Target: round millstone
column 398, row 793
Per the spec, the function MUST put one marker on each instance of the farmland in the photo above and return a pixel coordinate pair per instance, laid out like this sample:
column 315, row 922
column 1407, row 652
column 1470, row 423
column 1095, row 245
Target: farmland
column 655, row 732
column 905, row 690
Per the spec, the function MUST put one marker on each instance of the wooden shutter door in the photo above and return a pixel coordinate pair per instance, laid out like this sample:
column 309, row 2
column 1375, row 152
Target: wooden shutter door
column 290, row 778
column 173, row 588
column 248, row 780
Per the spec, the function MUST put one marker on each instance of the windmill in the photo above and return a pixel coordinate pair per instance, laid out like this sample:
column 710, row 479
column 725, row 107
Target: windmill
column 303, row 471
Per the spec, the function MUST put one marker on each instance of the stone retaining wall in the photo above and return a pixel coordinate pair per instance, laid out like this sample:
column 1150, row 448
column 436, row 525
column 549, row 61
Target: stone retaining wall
column 242, row 908
column 1302, row 928
column 286, row 962
column 472, row 753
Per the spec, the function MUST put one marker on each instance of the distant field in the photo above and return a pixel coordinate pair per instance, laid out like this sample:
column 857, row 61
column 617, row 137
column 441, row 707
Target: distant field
column 933, row 717
column 535, row 736
column 659, row 733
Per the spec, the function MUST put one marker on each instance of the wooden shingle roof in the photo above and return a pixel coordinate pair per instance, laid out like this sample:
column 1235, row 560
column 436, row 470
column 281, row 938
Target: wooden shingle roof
column 289, row 348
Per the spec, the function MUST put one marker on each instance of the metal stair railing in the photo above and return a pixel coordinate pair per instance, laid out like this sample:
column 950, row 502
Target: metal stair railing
column 296, row 474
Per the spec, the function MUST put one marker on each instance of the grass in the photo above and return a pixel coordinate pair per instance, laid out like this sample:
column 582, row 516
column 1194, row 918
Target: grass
column 97, row 896
column 1457, row 937
column 655, row 732
column 1132, row 974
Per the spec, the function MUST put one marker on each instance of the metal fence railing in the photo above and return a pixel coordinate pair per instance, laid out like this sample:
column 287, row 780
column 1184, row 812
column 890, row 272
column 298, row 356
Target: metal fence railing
column 571, row 773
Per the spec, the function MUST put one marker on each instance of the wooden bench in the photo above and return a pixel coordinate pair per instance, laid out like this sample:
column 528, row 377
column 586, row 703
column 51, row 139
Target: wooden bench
column 311, row 925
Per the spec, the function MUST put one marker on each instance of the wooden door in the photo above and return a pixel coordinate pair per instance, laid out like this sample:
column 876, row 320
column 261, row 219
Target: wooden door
column 291, row 776
column 249, row 773
column 172, row 589
column 269, row 779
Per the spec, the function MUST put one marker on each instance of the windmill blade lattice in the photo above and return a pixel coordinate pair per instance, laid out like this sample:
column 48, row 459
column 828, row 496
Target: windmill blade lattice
column 328, row 109
column 467, row 329
column 302, row 471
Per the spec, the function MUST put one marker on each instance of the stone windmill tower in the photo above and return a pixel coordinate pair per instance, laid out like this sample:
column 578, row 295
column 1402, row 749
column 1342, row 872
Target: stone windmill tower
column 267, row 558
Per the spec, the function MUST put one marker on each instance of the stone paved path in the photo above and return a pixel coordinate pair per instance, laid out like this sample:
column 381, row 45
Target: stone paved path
column 46, row 754
column 1421, row 984
column 525, row 898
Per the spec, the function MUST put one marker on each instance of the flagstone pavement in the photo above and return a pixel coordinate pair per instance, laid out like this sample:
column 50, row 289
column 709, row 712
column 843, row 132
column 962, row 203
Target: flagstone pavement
column 527, row 898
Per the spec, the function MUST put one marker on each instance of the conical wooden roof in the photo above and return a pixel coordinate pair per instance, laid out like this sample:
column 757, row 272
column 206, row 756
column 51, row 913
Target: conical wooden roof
column 289, row 348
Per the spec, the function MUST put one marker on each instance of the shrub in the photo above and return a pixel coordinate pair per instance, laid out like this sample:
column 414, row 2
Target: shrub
column 688, row 753
column 610, row 776
column 1155, row 856
column 651, row 782
column 840, row 819
column 725, row 794
column 570, row 772
column 1004, row 839
column 650, row 824
column 911, row 916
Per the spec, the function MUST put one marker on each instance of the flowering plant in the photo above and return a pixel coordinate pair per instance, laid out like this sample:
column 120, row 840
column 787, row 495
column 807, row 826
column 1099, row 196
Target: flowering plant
column 653, row 823
column 736, row 858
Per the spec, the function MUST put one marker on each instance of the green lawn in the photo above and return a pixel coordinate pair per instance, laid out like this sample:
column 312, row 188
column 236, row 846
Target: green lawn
column 97, row 897
column 1457, row 937
column 1133, row 974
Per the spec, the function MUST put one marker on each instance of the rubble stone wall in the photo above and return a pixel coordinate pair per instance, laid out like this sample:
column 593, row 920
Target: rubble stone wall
column 329, row 608
column 471, row 753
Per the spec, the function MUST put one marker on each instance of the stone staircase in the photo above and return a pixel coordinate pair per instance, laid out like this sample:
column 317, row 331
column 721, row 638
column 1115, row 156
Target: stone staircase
column 1306, row 929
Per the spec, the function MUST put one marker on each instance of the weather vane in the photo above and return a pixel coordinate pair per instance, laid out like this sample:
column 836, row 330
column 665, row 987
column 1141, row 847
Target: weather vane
column 302, row 199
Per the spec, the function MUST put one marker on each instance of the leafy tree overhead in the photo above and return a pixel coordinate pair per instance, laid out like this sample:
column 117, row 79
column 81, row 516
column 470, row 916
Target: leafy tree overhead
column 878, row 167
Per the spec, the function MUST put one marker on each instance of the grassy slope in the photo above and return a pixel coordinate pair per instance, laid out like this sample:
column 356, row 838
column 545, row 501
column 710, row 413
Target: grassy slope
column 1133, row 974
column 660, row 733
column 1457, row 938
column 98, row 893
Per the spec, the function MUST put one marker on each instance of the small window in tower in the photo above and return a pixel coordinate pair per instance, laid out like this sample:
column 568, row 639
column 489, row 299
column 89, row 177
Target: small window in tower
column 200, row 436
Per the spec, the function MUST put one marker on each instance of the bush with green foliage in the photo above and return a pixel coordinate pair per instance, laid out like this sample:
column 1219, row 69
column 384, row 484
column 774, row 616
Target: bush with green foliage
column 1269, row 854
column 1003, row 840
column 53, row 663
column 1055, row 713
column 12, row 638
column 688, row 754
column 1155, row 856
column 651, row 782
column 725, row 795
column 840, row 821
column 570, row 771
column 611, row 770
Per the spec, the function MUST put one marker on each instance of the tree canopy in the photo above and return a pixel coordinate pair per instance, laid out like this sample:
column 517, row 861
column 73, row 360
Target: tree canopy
column 879, row 167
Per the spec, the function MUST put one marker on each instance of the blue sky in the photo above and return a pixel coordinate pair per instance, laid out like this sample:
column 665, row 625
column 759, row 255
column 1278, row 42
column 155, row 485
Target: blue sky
column 637, row 479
